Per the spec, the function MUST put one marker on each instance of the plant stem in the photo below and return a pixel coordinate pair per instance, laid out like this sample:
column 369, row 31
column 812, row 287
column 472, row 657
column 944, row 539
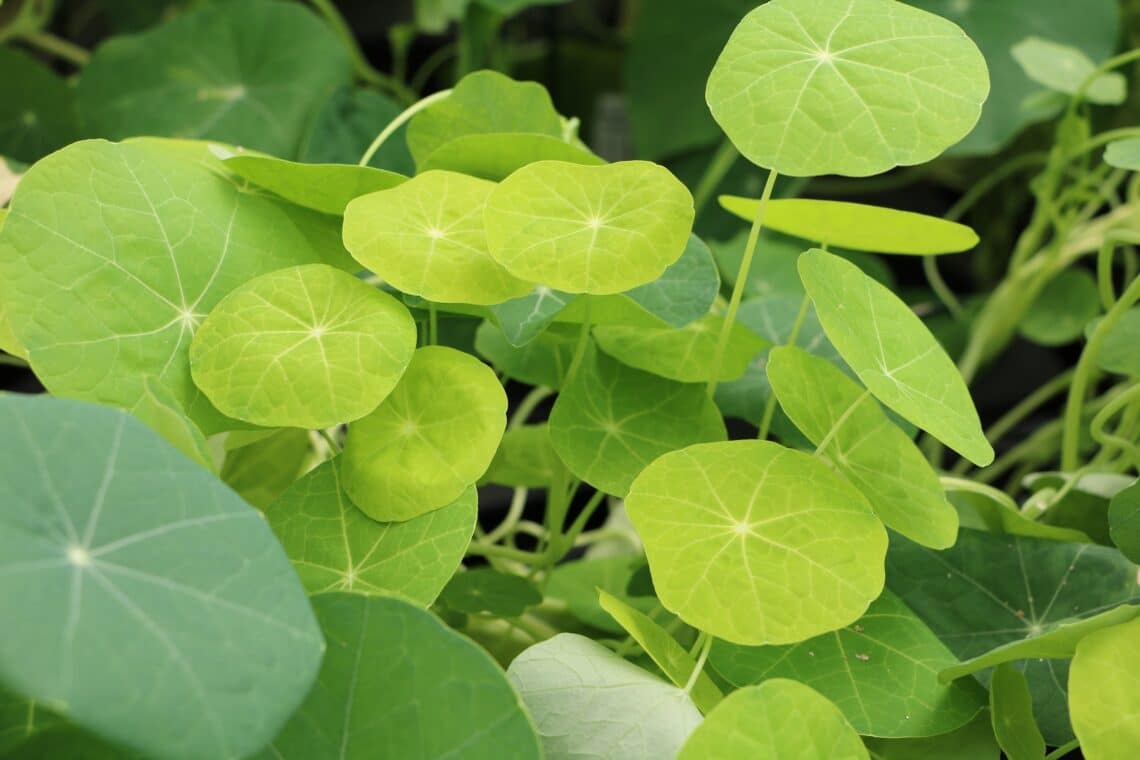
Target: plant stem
column 58, row 47
column 1063, row 750
column 333, row 443
column 706, row 645
column 580, row 348
column 722, row 161
column 793, row 336
column 963, row 484
column 940, row 288
column 364, row 70
column 741, row 281
column 399, row 121
column 504, row 552
column 514, row 513
column 527, row 406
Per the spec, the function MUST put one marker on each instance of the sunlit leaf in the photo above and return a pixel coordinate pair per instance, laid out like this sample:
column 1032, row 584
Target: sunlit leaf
column 1064, row 69
column 1103, row 698
column 496, row 155
column 327, row 188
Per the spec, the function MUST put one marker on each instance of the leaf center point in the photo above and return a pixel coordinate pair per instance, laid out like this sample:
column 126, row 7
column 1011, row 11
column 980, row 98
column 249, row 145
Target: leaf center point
column 78, row 556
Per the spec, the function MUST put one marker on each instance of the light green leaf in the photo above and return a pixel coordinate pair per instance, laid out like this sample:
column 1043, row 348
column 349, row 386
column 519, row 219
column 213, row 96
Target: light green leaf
column 807, row 542
column 9, row 343
column 161, row 412
column 345, row 125
column 857, row 226
column 396, row 682
column 184, row 604
column 777, row 720
column 1103, row 698
column 483, row 102
column 985, row 512
column 684, row 354
column 1085, row 506
column 542, row 361
column 1062, row 309
column 336, row 547
column 261, row 471
column 893, row 353
column 685, row 291
column 881, row 672
column 808, row 87
column 523, row 319
column 37, row 112
column 1011, row 706
column 854, row 435
column 218, row 73
column 426, row 237
column 1064, row 69
column 308, row 347
column 1123, row 154
column 577, row 583
column 156, row 236
column 327, row 188
column 664, row 650
column 525, row 459
column 1124, row 521
column 422, row 448
column 612, row 421
column 1118, row 352
column 496, row 155
column 487, row 590
column 1055, row 640
column 975, row 740
column 589, row 229
column 989, row 590
column 589, row 703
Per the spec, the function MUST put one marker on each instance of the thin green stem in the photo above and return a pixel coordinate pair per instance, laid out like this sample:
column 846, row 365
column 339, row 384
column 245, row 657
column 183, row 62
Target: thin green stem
column 514, row 514
column 722, row 161
column 706, row 645
column 1123, row 401
column 399, row 121
column 963, row 484
column 580, row 348
column 801, row 315
column 1063, row 750
column 793, row 336
column 365, row 71
column 58, row 47
column 1104, row 259
column 330, row 440
column 992, row 180
column 504, row 552
column 1109, row 65
column 940, row 288
column 527, row 406
column 741, row 281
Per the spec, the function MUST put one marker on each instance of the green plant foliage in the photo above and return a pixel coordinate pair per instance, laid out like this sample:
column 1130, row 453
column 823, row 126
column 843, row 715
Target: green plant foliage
column 485, row 590
column 777, row 719
column 612, row 421
column 218, row 73
column 857, row 226
column 805, row 539
column 1011, row 706
column 526, row 458
column 804, row 90
column 588, row 702
column 881, row 672
column 1085, row 505
column 578, row 584
column 346, row 123
column 331, row 346
column 855, row 436
column 663, row 649
column 36, row 108
column 108, row 317
column 426, row 237
column 523, row 319
column 986, row 512
column 496, row 155
column 1064, row 69
column 1124, row 521
column 1123, row 154
column 484, row 102
column 589, row 229
column 327, row 188
column 421, row 448
column 1102, row 692
column 685, row 291
column 543, row 361
column 1118, row 353
column 893, row 353
column 1062, row 309
column 261, row 470
column 192, row 585
column 975, row 740
column 990, row 590
column 396, row 682
column 336, row 547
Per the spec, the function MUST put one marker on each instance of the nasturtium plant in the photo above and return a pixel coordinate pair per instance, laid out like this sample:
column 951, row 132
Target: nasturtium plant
column 419, row 412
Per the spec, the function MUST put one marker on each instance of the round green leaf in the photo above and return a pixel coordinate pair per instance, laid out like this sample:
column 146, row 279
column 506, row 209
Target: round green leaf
column 1118, row 352
column 525, row 458
column 219, row 73
column 487, row 590
column 589, row 703
column 893, row 353
column 856, row 437
column 1103, row 699
column 261, row 470
column 881, row 672
column 426, row 238
column 1124, row 521
column 543, row 361
column 1123, row 154
column 523, row 319
column 810, row 87
column 346, row 124
column 1062, row 309
column 1011, row 706
column 36, row 108
column 156, row 235
column 577, row 583
column 857, row 226
column 806, row 542
column 612, row 421
column 497, row 155
column 307, row 347
column 685, row 291
column 143, row 599
column 589, row 229
column 396, row 682
column 336, row 547
column 777, row 720
column 1063, row 68
column 432, row 437
column 327, row 188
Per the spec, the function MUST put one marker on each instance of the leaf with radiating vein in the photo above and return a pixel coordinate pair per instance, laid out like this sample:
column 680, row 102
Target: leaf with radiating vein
column 128, row 570
column 327, row 188
column 336, row 547
column 497, row 155
column 577, row 584
column 755, row 543
column 893, row 353
column 1103, row 697
column 852, row 432
column 422, row 447
column 155, row 236
column 612, row 421
column 486, row 590
column 589, row 229
column 589, row 703
column 397, row 683
column 882, row 672
column 542, row 361
column 810, row 87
